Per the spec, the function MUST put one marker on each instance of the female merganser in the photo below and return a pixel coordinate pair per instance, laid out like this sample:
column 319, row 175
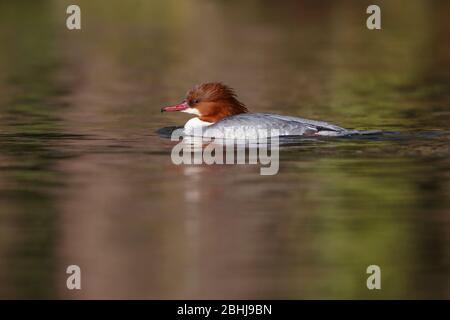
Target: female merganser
column 219, row 114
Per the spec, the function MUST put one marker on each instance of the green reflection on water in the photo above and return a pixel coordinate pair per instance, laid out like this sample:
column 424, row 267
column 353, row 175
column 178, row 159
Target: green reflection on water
column 78, row 111
column 29, row 62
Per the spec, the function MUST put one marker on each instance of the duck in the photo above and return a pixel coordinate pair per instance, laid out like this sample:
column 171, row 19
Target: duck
column 218, row 113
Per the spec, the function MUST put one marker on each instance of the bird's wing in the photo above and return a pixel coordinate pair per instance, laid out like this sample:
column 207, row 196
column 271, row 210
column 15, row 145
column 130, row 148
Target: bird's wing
column 286, row 125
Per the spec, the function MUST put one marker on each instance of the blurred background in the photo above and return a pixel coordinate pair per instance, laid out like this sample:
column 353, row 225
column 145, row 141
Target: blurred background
column 85, row 180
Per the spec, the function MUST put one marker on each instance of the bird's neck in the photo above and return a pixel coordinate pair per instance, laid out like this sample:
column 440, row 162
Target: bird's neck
column 218, row 110
column 195, row 123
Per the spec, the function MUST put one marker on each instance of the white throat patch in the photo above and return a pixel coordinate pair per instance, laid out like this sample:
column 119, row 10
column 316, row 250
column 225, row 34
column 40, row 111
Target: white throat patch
column 191, row 111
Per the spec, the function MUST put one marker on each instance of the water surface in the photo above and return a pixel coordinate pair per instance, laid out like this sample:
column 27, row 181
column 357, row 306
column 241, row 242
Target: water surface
column 85, row 179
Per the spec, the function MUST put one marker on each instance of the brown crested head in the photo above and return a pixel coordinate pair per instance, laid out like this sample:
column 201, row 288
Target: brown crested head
column 214, row 101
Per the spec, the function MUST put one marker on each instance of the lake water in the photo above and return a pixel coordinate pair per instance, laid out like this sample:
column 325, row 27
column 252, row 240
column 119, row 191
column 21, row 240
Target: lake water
column 86, row 180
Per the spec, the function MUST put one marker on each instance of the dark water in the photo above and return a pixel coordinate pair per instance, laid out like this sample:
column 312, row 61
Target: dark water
column 86, row 180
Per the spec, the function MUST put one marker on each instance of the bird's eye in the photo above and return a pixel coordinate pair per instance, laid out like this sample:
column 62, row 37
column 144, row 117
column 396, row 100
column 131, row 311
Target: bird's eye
column 193, row 102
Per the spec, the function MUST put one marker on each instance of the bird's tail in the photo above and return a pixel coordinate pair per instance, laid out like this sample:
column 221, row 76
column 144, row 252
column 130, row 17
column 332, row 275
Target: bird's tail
column 365, row 132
